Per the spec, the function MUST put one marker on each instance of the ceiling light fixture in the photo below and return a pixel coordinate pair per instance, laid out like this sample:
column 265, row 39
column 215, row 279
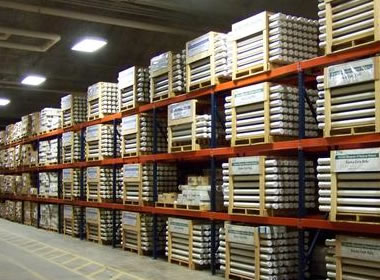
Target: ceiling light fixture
column 89, row 45
column 33, row 80
column 4, row 101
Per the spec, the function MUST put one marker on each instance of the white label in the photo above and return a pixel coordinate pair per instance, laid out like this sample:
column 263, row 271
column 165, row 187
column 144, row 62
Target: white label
column 358, row 160
column 129, row 218
column 126, row 78
column 93, row 91
column 245, row 166
column 67, row 175
column 128, row 123
column 248, row 95
column 179, row 225
column 351, row 72
column 179, row 110
column 92, row 132
column 92, row 173
column 198, row 45
column 360, row 248
column 131, row 170
column 248, row 26
column 66, row 102
column 92, row 214
column 68, row 212
column 240, row 234
column 159, row 62
column 67, row 138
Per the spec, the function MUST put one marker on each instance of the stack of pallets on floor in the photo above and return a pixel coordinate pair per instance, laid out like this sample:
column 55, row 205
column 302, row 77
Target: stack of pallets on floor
column 264, row 41
column 100, row 183
column 265, row 113
column 349, row 185
column 50, row 119
column 206, row 61
column 74, row 110
column 99, row 225
column 137, row 232
column 138, row 182
column 133, row 84
column 189, row 243
column 167, row 75
column 71, row 183
column 71, row 146
column 352, row 257
column 48, row 152
column 72, row 216
column 102, row 100
column 347, row 103
column 264, row 252
column 48, row 184
column 137, row 135
column 268, row 186
column 100, row 142
column 347, row 24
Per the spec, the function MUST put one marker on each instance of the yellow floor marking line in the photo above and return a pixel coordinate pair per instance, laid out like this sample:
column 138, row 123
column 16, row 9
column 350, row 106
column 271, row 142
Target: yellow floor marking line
column 39, row 249
column 82, row 266
column 74, row 258
column 97, row 272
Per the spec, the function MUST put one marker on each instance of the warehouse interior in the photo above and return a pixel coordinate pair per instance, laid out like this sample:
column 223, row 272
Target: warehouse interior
column 153, row 139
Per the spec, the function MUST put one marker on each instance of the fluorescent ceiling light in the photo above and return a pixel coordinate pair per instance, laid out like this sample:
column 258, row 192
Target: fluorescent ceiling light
column 33, row 80
column 89, row 45
column 4, row 101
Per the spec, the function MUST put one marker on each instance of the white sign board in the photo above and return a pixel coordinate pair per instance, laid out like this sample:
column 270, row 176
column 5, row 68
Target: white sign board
column 198, row 45
column 126, row 78
column 240, row 234
column 68, row 212
column 67, row 138
column 365, row 249
column 358, row 160
column 93, row 91
column 245, row 165
column 248, row 95
column 129, row 218
column 351, row 72
column 92, row 214
column 248, row 26
column 128, row 123
column 67, row 175
column 131, row 170
column 93, row 132
column 66, row 102
column 179, row 225
column 179, row 110
column 159, row 62
column 92, row 174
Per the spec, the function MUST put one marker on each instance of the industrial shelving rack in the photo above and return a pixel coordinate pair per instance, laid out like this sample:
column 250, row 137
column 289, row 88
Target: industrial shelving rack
column 298, row 73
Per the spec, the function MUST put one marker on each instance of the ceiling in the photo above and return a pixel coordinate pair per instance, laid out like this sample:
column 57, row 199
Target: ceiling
column 136, row 30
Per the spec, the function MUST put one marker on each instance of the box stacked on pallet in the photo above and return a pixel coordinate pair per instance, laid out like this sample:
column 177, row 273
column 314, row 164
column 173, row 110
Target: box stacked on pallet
column 266, row 40
column 17, row 132
column 100, row 183
column 71, row 183
column 347, row 102
column 49, row 216
column 29, row 155
column 48, row 182
column 29, row 183
column 137, row 232
column 35, row 122
column 26, row 126
column 137, row 135
column 100, row 142
column 50, row 119
column 349, row 185
column 189, row 242
column 264, row 252
column 71, row 146
column 167, row 75
column 133, row 85
column 102, row 99
column 74, row 110
column 72, row 216
column 30, row 213
column 266, row 112
column 48, row 152
column 99, row 225
column 206, row 60
column 268, row 186
column 350, row 257
column 138, row 182
column 347, row 24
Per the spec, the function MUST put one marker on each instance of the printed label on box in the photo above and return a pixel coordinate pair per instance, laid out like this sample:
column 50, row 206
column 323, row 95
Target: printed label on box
column 248, row 95
column 351, row 72
column 358, row 160
column 159, row 62
column 68, row 212
column 93, row 91
column 67, row 175
column 126, row 78
column 180, row 110
column 128, row 123
column 129, row 218
column 131, row 170
column 92, row 132
column 67, row 138
column 66, row 102
column 179, row 225
column 245, row 166
column 198, row 45
column 92, row 174
column 248, row 26
column 359, row 248
column 92, row 214
column 240, row 234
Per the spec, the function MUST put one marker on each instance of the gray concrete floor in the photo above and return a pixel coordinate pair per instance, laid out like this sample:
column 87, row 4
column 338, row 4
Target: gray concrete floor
column 27, row 253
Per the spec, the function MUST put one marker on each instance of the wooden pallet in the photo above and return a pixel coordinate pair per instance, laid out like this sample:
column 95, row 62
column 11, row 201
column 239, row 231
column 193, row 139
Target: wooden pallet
column 164, row 205
column 353, row 130
column 358, row 218
column 261, row 140
column 232, row 276
column 192, row 266
column 255, row 70
column 267, row 212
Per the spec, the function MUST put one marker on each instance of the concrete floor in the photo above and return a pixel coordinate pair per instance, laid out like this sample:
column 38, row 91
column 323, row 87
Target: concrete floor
column 27, row 253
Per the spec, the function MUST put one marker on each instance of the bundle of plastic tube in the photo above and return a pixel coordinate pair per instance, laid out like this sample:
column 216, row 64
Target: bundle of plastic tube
column 133, row 84
column 50, row 119
column 71, row 182
column 105, row 218
column 321, row 101
column 71, row 146
column 48, row 183
column 74, row 109
column 226, row 185
column 73, row 223
column 103, row 143
column 103, row 185
column 102, row 98
column 351, row 19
